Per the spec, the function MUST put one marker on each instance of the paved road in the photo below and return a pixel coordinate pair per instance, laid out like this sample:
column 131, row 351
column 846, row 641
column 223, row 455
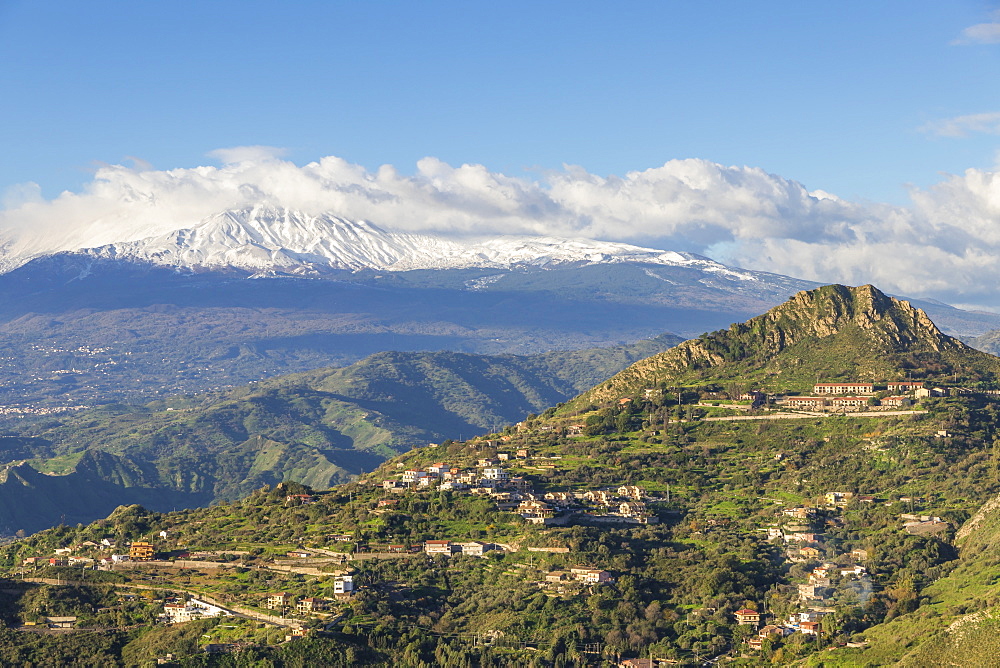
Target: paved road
column 236, row 610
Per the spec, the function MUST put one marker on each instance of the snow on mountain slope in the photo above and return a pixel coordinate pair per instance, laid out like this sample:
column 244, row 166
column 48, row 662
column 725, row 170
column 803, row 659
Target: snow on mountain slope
column 267, row 239
column 264, row 239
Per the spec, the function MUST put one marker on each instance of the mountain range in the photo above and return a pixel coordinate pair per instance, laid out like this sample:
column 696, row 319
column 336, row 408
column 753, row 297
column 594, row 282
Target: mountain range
column 261, row 291
column 329, row 425
column 266, row 240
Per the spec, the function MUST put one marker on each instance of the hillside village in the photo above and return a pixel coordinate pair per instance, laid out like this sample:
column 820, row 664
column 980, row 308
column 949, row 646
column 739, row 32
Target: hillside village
column 517, row 483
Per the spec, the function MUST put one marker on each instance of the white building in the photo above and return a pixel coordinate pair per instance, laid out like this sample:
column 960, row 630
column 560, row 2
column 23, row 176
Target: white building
column 191, row 610
column 344, row 584
column 412, row 475
column 496, row 473
column 475, row 548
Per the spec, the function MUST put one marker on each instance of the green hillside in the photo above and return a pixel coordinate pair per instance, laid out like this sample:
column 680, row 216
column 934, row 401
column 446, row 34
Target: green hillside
column 852, row 518
column 319, row 428
column 958, row 615
column 677, row 583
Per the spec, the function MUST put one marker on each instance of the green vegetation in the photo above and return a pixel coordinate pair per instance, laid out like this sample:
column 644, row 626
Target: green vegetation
column 677, row 583
column 852, row 519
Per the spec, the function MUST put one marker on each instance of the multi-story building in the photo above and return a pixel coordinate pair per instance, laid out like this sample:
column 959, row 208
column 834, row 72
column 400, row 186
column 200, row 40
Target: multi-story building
column 279, row 600
column 844, row 388
column 141, row 551
column 344, row 584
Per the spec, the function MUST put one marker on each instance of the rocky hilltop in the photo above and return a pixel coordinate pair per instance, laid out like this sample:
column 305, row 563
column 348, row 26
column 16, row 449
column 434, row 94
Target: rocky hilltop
column 829, row 310
column 832, row 332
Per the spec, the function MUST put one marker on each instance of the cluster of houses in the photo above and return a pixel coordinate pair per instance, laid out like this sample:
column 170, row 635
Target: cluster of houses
column 824, row 580
column 807, row 623
column 625, row 505
column 515, row 494
column 485, row 477
column 820, row 586
column 139, row 550
column 812, row 542
column 10, row 409
column 282, row 601
column 855, row 395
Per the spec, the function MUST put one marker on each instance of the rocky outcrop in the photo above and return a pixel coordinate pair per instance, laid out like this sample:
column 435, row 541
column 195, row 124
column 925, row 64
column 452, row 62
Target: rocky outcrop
column 986, row 512
column 883, row 324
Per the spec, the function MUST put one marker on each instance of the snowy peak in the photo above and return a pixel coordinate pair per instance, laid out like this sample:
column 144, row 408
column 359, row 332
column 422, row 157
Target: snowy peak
column 264, row 239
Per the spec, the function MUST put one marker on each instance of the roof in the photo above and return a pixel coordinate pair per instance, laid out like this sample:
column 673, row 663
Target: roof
column 638, row 663
column 746, row 611
column 851, row 382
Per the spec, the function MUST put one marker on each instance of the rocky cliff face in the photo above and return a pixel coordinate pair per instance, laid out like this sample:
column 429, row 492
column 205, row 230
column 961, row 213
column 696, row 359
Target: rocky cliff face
column 831, row 309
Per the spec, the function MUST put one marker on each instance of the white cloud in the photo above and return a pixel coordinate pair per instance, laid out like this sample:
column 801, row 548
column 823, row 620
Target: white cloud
column 981, row 33
column 237, row 154
column 944, row 245
column 20, row 194
column 963, row 126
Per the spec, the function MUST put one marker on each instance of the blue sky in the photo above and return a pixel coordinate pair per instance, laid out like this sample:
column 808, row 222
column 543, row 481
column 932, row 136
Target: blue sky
column 847, row 142
column 838, row 96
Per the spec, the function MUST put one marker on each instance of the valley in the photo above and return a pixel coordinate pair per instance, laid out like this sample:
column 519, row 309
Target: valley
column 321, row 427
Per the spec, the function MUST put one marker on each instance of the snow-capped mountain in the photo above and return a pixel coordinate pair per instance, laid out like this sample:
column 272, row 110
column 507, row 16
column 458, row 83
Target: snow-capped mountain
column 266, row 239
column 170, row 311
column 263, row 239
